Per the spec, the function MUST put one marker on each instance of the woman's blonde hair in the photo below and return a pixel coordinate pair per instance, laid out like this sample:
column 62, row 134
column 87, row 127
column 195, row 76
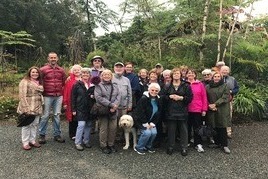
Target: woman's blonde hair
column 107, row 72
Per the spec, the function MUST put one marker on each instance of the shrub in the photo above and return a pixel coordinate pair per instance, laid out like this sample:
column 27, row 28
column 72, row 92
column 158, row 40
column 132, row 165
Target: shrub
column 250, row 102
column 8, row 106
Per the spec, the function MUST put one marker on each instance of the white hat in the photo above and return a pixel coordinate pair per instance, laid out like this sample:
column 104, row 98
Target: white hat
column 206, row 71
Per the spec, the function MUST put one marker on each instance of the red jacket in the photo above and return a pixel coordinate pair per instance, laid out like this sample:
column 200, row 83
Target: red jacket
column 67, row 96
column 53, row 80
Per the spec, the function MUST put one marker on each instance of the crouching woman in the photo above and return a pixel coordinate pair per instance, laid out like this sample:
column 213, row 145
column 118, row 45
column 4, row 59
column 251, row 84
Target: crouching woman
column 146, row 116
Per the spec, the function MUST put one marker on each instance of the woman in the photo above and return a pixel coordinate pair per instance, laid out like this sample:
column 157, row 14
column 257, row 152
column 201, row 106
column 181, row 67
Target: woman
column 196, row 109
column 107, row 94
column 143, row 81
column 177, row 95
column 146, row 116
column 75, row 75
column 81, row 105
column 31, row 101
column 218, row 95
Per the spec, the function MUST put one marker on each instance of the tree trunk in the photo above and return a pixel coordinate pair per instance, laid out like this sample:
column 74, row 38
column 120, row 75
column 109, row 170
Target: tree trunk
column 204, row 30
column 251, row 9
column 231, row 33
column 159, row 48
column 219, row 33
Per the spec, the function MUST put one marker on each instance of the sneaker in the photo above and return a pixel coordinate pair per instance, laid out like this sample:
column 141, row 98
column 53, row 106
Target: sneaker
column 199, row 148
column 226, row 150
column 59, row 139
column 42, row 139
column 105, row 150
column 79, row 147
column 112, row 149
column 139, row 151
column 150, row 150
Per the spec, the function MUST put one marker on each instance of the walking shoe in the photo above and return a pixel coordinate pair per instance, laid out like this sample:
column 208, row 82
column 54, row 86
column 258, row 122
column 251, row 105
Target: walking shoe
column 170, row 151
column 26, row 147
column 112, row 149
column 150, row 150
column 42, row 139
column 139, row 151
column 226, row 150
column 36, row 145
column 87, row 145
column 199, row 148
column 79, row 147
column 59, row 139
column 105, row 150
column 184, row 152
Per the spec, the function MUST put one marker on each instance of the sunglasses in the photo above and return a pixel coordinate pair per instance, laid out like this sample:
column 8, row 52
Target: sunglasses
column 97, row 60
column 206, row 74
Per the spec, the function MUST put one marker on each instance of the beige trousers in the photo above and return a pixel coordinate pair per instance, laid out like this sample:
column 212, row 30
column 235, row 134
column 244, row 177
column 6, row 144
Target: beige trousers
column 107, row 133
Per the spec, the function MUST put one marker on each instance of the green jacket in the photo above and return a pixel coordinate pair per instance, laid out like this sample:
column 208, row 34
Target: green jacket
column 219, row 94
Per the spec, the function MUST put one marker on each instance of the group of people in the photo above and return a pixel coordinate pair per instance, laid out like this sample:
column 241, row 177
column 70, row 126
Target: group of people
column 172, row 102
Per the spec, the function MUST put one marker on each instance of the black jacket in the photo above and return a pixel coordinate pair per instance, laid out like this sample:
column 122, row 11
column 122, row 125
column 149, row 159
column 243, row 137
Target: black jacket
column 82, row 100
column 144, row 109
column 177, row 110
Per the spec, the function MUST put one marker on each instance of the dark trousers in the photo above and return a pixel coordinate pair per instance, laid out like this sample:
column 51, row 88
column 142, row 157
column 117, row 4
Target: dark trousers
column 194, row 123
column 172, row 128
column 221, row 137
column 72, row 128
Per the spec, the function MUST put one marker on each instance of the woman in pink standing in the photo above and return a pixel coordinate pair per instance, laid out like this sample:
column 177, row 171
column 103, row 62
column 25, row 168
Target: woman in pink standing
column 196, row 109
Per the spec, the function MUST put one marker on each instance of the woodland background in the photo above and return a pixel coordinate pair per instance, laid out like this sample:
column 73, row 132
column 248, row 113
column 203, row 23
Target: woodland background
column 187, row 32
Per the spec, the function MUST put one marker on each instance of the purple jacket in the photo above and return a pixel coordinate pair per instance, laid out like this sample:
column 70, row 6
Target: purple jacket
column 199, row 102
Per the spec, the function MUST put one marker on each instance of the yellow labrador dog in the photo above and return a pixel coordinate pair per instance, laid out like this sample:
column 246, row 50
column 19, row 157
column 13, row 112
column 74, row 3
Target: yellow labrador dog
column 126, row 122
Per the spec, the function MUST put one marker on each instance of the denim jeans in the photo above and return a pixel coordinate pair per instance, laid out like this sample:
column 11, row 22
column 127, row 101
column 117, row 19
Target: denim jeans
column 54, row 103
column 83, row 132
column 146, row 138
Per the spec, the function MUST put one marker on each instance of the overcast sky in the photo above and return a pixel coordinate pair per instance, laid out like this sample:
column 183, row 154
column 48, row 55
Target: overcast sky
column 260, row 8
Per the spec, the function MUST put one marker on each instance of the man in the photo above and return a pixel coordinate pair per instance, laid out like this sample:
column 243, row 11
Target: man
column 53, row 80
column 124, row 88
column 96, row 69
column 234, row 88
column 125, row 104
column 159, row 70
column 97, row 66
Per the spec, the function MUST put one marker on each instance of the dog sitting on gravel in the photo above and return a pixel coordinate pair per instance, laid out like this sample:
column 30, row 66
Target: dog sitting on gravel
column 127, row 122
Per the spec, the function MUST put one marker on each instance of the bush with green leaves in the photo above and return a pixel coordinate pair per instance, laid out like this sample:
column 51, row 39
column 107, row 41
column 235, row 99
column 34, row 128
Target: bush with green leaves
column 8, row 107
column 251, row 102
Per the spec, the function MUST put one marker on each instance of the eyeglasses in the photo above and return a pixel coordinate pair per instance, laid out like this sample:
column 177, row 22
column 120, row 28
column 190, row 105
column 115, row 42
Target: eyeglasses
column 97, row 60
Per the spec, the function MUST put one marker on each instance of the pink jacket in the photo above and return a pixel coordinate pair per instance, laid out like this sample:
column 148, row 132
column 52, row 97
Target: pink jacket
column 199, row 102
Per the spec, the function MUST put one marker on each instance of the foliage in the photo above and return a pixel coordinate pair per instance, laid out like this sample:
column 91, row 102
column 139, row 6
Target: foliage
column 8, row 106
column 250, row 102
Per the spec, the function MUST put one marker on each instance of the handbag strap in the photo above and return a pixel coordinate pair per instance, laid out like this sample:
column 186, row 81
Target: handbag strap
column 112, row 89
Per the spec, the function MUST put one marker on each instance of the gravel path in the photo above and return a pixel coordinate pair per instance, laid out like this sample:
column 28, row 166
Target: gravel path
column 248, row 159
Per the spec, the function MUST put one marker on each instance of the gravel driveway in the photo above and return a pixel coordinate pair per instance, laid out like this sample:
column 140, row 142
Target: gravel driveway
column 248, row 158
